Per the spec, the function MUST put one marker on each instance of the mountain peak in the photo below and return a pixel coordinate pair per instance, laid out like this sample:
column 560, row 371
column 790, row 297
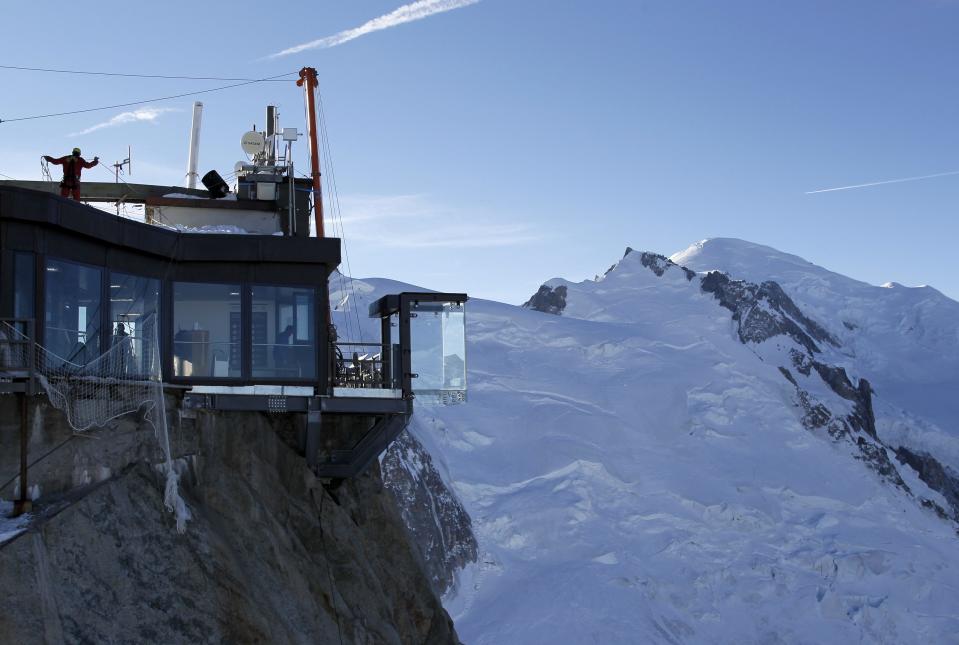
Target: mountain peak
column 718, row 252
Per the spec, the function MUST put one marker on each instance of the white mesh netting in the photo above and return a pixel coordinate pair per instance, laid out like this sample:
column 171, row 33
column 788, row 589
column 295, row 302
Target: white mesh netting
column 125, row 379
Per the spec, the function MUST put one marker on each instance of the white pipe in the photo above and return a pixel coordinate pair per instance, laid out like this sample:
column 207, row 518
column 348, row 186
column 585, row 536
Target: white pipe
column 191, row 175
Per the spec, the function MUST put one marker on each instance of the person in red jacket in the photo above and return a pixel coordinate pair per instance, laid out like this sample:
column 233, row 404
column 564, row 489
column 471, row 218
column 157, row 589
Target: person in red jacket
column 73, row 164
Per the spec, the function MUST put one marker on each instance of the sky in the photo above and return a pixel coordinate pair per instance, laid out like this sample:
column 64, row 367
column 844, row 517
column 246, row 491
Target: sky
column 487, row 146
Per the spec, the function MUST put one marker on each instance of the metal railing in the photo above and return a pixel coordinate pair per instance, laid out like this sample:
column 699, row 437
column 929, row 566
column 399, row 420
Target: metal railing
column 361, row 365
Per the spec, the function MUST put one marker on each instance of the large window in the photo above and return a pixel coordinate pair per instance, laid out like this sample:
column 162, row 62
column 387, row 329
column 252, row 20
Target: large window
column 24, row 285
column 283, row 332
column 134, row 307
column 72, row 323
column 207, row 330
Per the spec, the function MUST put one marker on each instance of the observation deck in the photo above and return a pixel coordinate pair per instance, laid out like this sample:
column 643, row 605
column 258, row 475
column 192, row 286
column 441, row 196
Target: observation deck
column 240, row 320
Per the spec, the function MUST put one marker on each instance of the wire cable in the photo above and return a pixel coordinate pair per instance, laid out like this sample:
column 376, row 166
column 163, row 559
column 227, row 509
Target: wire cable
column 45, row 169
column 156, row 76
column 336, row 212
column 153, row 100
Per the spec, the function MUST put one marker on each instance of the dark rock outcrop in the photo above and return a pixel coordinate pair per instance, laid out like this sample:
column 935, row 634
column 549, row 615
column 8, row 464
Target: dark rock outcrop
column 938, row 477
column 548, row 300
column 764, row 311
column 659, row 264
column 441, row 528
column 656, row 263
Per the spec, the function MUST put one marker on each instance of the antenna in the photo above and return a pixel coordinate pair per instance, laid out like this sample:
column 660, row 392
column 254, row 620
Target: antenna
column 253, row 143
column 118, row 166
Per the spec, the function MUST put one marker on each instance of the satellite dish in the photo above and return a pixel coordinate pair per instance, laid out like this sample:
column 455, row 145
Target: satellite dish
column 253, row 143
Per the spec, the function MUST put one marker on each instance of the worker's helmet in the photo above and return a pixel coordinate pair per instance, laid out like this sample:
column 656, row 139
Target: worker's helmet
column 76, row 152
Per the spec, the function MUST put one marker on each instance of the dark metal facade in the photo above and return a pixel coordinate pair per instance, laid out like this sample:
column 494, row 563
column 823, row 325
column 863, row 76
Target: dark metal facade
column 49, row 226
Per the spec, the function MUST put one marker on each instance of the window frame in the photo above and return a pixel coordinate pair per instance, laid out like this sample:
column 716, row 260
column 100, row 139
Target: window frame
column 314, row 330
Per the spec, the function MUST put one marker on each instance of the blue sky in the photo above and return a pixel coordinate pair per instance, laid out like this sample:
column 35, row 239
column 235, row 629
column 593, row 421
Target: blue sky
column 494, row 146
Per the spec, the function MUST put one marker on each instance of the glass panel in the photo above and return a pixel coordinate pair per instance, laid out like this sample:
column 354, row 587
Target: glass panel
column 438, row 347
column 24, row 285
column 72, row 322
column 454, row 347
column 134, row 305
column 206, row 330
column 283, row 333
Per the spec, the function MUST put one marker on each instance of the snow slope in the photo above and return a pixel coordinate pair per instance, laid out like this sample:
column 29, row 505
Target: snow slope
column 636, row 473
column 905, row 338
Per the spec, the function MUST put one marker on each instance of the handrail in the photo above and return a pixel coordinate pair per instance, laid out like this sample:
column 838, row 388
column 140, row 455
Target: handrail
column 356, row 369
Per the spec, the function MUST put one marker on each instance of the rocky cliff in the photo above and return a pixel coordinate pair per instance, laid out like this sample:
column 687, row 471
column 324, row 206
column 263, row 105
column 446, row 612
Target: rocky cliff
column 441, row 528
column 269, row 556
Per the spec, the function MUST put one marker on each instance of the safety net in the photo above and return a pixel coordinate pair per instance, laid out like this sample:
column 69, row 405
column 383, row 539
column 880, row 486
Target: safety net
column 126, row 379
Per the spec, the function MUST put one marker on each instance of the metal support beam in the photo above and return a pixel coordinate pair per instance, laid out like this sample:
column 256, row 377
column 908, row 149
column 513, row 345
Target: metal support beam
column 24, row 504
column 364, row 405
column 101, row 191
column 247, row 402
column 344, row 464
column 314, row 424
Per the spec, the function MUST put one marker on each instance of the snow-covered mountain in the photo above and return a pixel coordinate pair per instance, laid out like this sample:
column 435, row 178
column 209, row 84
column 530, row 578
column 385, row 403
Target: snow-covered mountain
column 905, row 339
column 662, row 454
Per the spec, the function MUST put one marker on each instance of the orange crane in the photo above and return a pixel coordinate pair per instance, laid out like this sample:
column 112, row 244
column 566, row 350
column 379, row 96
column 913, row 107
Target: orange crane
column 309, row 83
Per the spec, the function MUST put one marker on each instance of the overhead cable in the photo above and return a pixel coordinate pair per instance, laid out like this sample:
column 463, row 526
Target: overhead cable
column 125, row 75
column 153, row 100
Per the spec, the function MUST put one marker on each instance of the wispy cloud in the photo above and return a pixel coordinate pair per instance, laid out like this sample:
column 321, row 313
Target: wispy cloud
column 148, row 114
column 407, row 13
column 882, row 183
column 367, row 208
column 416, row 222
column 462, row 235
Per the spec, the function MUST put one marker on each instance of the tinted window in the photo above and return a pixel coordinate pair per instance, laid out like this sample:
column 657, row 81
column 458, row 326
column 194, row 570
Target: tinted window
column 134, row 307
column 206, row 330
column 72, row 320
column 283, row 332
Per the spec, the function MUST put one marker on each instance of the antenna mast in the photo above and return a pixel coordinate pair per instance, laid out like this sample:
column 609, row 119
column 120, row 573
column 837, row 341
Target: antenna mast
column 309, row 84
column 118, row 166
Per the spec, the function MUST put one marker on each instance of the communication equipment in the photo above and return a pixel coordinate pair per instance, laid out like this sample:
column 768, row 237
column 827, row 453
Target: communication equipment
column 215, row 185
column 253, row 143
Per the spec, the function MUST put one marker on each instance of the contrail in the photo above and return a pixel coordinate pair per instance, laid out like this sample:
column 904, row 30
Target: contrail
column 140, row 114
column 888, row 181
column 407, row 13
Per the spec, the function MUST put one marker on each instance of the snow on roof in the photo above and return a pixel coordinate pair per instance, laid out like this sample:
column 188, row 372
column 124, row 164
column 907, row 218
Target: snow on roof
column 228, row 198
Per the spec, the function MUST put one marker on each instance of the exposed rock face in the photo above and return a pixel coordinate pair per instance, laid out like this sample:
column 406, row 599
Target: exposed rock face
column 442, row 530
column 548, row 300
column 270, row 555
column 937, row 476
column 659, row 264
column 764, row 311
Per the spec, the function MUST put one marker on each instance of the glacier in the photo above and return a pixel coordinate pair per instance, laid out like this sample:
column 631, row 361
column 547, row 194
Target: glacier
column 640, row 465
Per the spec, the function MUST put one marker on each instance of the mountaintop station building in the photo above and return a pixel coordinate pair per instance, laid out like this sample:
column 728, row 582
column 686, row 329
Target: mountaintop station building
column 242, row 320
